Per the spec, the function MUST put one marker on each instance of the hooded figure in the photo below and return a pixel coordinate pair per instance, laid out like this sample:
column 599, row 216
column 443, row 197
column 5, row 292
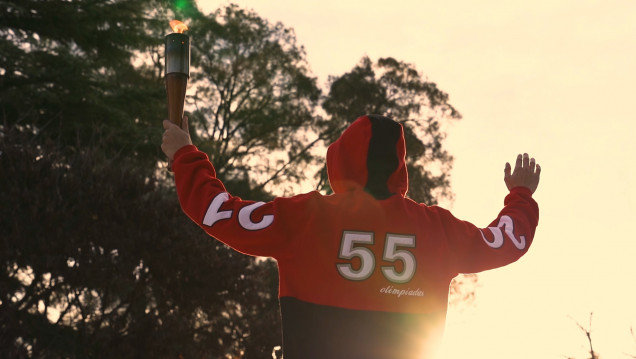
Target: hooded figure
column 364, row 272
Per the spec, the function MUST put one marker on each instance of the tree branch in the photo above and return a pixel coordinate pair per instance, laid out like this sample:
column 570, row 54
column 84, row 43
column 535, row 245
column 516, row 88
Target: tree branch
column 588, row 334
column 325, row 135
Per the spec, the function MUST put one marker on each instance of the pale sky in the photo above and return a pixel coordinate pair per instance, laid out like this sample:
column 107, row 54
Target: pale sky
column 552, row 78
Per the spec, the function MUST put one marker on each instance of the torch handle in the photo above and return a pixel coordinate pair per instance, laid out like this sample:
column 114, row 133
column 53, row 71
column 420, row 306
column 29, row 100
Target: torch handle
column 176, row 84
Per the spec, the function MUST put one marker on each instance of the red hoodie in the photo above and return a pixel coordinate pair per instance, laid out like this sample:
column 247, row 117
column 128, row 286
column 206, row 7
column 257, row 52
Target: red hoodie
column 365, row 272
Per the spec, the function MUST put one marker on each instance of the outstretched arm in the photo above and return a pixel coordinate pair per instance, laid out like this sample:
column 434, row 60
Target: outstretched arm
column 249, row 227
column 508, row 237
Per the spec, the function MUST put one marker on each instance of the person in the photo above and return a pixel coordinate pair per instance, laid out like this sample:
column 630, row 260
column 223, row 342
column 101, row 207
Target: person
column 363, row 272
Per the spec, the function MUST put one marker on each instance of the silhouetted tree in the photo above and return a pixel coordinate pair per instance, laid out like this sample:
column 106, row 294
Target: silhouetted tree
column 254, row 100
column 96, row 258
column 68, row 72
column 396, row 89
column 99, row 261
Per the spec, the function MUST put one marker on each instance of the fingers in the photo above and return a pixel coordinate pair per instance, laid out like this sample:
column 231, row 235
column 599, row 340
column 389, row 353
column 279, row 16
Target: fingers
column 524, row 161
column 532, row 165
column 526, row 164
column 525, row 174
column 168, row 124
column 184, row 125
column 507, row 170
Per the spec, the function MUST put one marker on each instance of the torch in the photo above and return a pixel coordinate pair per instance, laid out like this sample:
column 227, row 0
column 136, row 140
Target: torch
column 177, row 70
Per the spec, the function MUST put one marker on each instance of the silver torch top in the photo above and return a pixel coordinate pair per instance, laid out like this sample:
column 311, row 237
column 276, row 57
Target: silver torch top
column 178, row 49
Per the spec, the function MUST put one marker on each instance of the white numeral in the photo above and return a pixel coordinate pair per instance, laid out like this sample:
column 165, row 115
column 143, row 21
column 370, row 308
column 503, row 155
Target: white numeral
column 392, row 252
column 347, row 251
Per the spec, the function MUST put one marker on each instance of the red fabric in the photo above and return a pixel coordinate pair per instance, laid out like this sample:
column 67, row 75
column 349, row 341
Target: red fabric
column 347, row 156
column 310, row 234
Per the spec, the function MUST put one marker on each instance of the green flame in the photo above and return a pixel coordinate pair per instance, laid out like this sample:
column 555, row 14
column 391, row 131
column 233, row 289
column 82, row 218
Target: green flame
column 181, row 5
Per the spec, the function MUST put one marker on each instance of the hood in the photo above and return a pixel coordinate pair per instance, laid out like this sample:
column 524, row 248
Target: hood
column 370, row 154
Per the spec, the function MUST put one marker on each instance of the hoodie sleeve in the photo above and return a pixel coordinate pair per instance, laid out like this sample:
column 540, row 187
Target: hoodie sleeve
column 504, row 241
column 249, row 227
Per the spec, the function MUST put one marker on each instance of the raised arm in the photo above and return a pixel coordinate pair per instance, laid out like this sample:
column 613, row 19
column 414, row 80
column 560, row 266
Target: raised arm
column 249, row 227
column 509, row 236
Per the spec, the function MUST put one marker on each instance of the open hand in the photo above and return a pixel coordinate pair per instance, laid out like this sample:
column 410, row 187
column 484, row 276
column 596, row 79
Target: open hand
column 175, row 137
column 526, row 173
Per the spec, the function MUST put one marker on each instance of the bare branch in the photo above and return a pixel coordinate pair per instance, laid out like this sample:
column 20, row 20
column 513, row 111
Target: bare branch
column 588, row 334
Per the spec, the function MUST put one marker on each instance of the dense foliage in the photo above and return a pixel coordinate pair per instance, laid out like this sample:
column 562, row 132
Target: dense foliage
column 67, row 71
column 99, row 261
